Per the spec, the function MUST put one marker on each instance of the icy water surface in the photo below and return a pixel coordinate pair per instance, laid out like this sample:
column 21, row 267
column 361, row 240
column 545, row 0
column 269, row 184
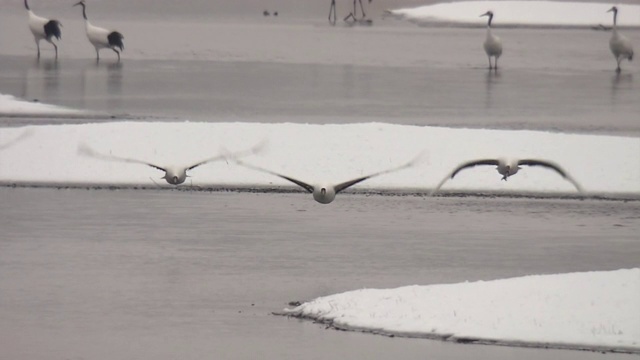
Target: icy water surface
column 191, row 275
column 288, row 70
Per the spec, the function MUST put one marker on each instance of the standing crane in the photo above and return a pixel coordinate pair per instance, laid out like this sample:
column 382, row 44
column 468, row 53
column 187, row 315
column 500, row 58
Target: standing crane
column 619, row 44
column 99, row 37
column 492, row 44
column 43, row 28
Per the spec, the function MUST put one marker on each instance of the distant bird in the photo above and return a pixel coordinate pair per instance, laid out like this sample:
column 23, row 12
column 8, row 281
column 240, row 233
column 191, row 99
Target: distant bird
column 101, row 38
column 493, row 44
column 43, row 28
column 332, row 11
column 325, row 193
column 174, row 175
column 619, row 44
column 509, row 167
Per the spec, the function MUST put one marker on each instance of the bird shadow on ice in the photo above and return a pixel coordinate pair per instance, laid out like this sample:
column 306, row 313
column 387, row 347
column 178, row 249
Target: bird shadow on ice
column 492, row 77
column 41, row 79
column 100, row 78
column 619, row 80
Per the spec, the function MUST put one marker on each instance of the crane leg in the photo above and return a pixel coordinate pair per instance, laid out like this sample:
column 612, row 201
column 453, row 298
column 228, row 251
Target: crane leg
column 495, row 63
column 619, row 59
column 97, row 55
column 362, row 8
column 490, row 64
column 117, row 52
column 38, row 46
column 332, row 10
column 55, row 47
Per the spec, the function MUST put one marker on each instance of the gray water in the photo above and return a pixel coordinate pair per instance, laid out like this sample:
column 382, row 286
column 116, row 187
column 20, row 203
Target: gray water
column 305, row 71
column 172, row 274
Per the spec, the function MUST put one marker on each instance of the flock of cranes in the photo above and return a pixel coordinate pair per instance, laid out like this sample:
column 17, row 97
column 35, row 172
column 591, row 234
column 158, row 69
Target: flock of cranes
column 322, row 192
column 101, row 38
column 325, row 192
column 47, row 29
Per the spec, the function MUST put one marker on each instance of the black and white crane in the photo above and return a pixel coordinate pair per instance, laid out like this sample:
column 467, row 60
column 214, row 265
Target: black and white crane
column 509, row 167
column 174, row 175
column 324, row 192
column 43, row 28
column 619, row 44
column 492, row 44
column 101, row 38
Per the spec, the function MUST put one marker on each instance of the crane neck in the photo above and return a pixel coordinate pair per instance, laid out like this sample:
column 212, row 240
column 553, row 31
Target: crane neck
column 84, row 10
column 26, row 5
column 490, row 19
column 615, row 18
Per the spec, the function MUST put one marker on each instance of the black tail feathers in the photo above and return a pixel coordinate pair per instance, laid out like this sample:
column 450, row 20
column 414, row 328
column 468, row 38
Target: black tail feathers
column 115, row 40
column 52, row 28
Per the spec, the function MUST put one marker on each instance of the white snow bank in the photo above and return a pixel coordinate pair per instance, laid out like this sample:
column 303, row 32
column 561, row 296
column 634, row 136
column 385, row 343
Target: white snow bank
column 311, row 153
column 10, row 106
column 592, row 310
column 521, row 13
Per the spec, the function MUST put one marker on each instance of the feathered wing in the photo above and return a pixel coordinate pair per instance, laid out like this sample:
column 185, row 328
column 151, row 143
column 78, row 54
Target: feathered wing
column 350, row 183
column 225, row 155
column 24, row 135
column 463, row 166
column 302, row 184
column 85, row 150
column 552, row 166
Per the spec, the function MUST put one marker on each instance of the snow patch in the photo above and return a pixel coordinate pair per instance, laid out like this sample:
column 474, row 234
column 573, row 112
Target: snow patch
column 590, row 310
column 521, row 13
column 10, row 106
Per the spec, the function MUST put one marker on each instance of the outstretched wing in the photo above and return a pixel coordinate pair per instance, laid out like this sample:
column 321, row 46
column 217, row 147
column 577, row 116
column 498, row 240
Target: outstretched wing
column 231, row 155
column 350, row 183
column 84, row 149
column 25, row 134
column 302, row 184
column 463, row 166
column 552, row 166
column 473, row 164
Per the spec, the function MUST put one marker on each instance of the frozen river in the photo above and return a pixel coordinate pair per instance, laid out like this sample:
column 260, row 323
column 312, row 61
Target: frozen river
column 283, row 70
column 190, row 275
column 138, row 274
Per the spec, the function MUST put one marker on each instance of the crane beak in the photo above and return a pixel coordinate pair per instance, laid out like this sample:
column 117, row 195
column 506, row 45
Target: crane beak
column 485, row 14
column 79, row 3
column 612, row 9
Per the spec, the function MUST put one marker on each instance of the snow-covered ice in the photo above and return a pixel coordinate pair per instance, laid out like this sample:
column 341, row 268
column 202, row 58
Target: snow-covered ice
column 589, row 310
column 595, row 310
column 521, row 13
column 314, row 153
column 10, row 106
